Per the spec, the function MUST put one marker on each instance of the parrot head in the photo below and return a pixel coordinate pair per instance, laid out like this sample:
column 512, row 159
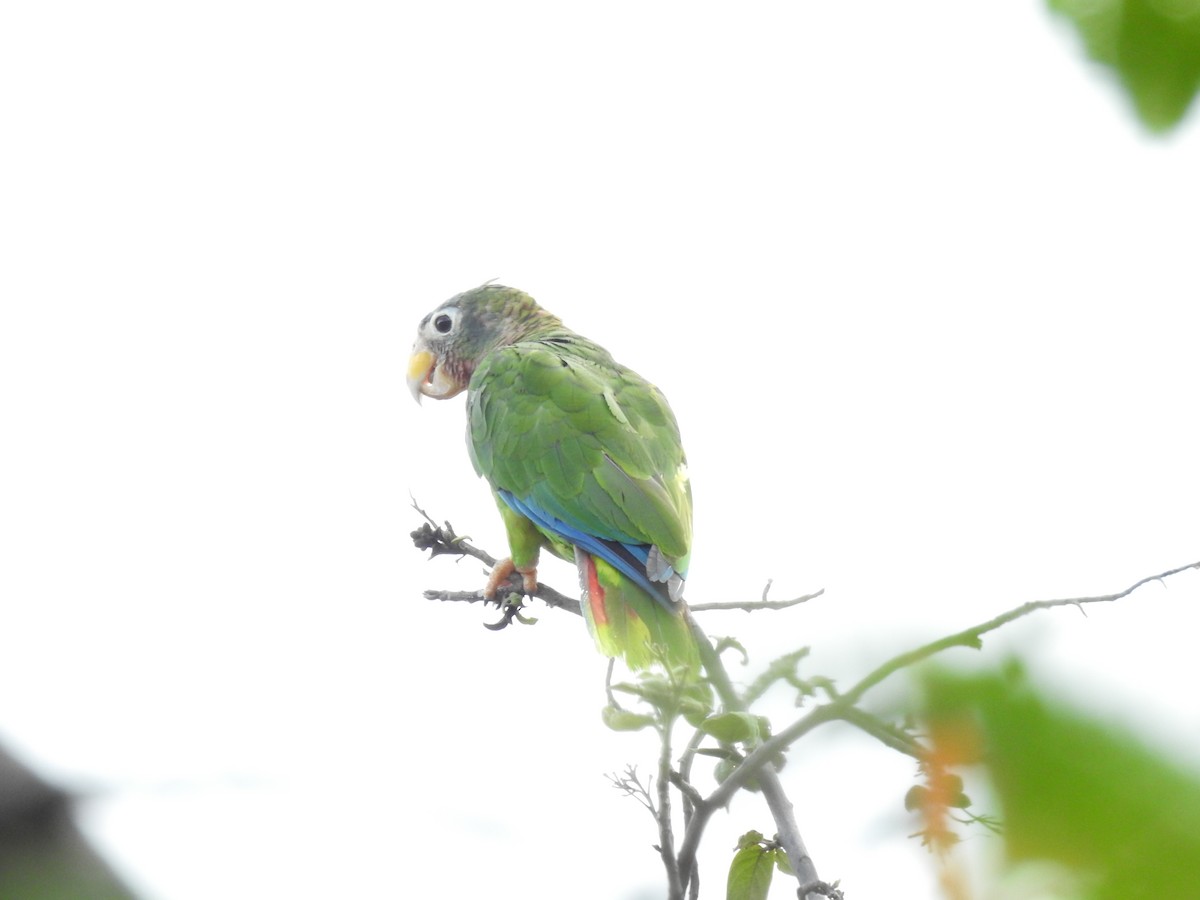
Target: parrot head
column 455, row 337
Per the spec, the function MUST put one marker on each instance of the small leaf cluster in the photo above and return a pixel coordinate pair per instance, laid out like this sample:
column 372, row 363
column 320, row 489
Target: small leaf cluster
column 733, row 728
column 671, row 693
column 675, row 692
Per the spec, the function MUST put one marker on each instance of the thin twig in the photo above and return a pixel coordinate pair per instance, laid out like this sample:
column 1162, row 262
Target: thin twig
column 544, row 592
column 886, row 733
column 630, row 785
column 441, row 539
column 752, row 605
column 689, row 792
column 971, row 637
column 685, row 774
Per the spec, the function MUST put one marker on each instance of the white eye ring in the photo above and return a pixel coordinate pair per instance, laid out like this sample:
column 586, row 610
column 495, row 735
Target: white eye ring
column 443, row 321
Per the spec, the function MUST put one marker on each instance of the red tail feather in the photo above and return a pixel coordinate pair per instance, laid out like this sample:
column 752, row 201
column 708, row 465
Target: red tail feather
column 595, row 595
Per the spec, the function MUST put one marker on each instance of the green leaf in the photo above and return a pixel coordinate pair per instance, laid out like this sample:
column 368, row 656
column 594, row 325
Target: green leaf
column 750, row 872
column 1153, row 47
column 623, row 720
column 1084, row 793
column 732, row 727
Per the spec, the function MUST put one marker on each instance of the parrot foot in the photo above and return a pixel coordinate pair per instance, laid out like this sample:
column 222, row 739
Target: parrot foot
column 501, row 572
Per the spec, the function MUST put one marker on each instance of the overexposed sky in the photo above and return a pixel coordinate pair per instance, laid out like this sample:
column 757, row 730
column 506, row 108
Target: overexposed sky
column 921, row 293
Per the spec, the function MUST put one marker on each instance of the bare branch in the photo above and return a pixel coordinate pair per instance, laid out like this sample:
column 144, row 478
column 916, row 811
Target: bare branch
column 457, row 596
column 544, row 592
column 752, row 605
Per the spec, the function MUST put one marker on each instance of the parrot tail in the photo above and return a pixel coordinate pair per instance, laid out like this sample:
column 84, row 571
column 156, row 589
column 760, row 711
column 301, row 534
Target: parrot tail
column 626, row 621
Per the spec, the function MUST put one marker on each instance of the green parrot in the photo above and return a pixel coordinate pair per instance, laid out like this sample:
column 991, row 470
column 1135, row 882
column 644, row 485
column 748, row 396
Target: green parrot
column 583, row 456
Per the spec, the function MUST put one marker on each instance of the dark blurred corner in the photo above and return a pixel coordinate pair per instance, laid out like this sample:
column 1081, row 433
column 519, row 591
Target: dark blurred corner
column 43, row 855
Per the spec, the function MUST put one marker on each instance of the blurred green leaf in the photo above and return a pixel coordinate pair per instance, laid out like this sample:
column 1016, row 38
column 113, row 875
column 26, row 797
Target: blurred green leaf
column 699, row 690
column 1153, row 46
column 623, row 720
column 723, row 769
column 693, row 711
column 732, row 727
column 1073, row 790
column 697, row 701
column 751, row 870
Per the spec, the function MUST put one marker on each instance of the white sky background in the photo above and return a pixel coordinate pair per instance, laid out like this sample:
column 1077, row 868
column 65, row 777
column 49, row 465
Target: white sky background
column 922, row 296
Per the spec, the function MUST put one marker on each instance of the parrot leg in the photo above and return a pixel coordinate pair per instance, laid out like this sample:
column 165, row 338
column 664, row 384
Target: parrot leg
column 502, row 570
column 524, row 541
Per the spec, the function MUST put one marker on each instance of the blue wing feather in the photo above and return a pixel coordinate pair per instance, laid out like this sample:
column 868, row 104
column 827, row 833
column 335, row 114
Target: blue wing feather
column 627, row 558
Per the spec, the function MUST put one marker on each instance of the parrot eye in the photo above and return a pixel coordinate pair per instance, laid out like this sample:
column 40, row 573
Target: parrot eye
column 444, row 320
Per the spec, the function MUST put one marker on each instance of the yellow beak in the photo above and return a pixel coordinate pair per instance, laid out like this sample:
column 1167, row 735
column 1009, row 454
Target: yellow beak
column 427, row 378
column 420, row 367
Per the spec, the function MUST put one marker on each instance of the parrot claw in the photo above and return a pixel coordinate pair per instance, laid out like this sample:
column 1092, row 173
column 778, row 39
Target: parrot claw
column 501, row 572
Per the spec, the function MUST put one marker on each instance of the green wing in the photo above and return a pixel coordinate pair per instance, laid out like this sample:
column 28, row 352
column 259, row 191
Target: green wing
column 561, row 426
